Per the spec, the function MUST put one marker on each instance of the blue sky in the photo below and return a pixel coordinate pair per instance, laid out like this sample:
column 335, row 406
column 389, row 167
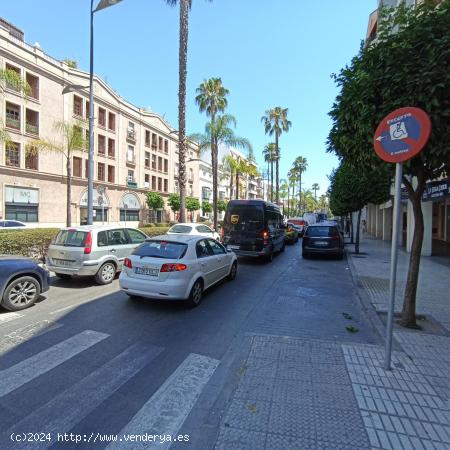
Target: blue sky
column 268, row 53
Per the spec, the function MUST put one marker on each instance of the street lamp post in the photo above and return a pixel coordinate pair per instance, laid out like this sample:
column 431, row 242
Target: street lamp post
column 90, row 198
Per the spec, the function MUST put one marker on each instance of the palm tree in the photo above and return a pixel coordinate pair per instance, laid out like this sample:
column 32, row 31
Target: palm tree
column 292, row 177
column 217, row 133
column 243, row 167
column 275, row 122
column 229, row 168
column 212, row 98
column 299, row 166
column 185, row 5
column 73, row 139
column 270, row 153
column 315, row 187
column 284, row 192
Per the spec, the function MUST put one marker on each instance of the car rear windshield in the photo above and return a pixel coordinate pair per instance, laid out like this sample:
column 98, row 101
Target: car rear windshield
column 183, row 229
column 71, row 238
column 161, row 249
column 297, row 222
column 245, row 218
column 321, row 231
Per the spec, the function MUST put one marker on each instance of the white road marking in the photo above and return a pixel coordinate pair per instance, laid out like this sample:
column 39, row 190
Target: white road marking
column 169, row 407
column 63, row 412
column 24, row 334
column 30, row 368
column 7, row 317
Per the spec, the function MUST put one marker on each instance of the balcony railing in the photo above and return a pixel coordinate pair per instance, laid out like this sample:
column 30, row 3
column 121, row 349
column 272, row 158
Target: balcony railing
column 31, row 128
column 131, row 135
column 132, row 183
column 13, row 123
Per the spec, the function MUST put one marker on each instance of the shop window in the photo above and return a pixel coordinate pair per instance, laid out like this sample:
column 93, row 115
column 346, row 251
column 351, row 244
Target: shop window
column 129, row 215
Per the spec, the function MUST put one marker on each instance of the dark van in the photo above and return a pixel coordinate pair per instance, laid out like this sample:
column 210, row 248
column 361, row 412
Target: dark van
column 253, row 228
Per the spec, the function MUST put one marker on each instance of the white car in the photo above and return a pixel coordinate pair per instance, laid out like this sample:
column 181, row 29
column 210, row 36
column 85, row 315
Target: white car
column 12, row 225
column 194, row 229
column 176, row 267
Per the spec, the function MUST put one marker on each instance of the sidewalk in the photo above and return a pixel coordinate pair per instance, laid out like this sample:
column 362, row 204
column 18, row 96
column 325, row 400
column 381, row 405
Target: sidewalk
column 408, row 407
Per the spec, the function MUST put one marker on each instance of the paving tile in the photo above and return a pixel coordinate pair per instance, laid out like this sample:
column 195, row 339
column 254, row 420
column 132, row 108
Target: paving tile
column 293, row 420
column 283, row 442
column 248, row 414
column 236, row 439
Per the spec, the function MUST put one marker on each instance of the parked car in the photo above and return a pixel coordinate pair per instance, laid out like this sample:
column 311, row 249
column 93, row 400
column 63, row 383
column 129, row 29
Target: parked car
column 291, row 234
column 22, row 281
column 11, row 224
column 323, row 239
column 176, row 267
column 300, row 224
column 253, row 228
column 92, row 250
column 196, row 229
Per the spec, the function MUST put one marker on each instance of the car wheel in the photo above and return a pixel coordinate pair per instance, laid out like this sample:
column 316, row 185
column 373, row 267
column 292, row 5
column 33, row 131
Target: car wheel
column 106, row 273
column 63, row 276
column 21, row 293
column 340, row 256
column 233, row 272
column 195, row 297
column 283, row 247
column 305, row 255
column 269, row 257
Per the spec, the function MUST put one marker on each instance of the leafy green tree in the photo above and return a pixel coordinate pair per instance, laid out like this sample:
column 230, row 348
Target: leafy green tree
column 73, row 63
column 222, row 205
column 212, row 99
column 275, row 123
column 407, row 66
column 206, row 207
column 192, row 204
column 298, row 168
column 73, row 140
column 174, row 202
column 155, row 201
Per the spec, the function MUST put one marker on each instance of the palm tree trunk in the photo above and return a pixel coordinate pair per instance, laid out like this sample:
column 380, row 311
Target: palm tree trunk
column 231, row 183
column 215, row 175
column 268, row 178
column 271, row 179
column 237, row 184
column 184, row 33
column 300, row 194
column 69, row 193
column 277, row 169
column 288, row 189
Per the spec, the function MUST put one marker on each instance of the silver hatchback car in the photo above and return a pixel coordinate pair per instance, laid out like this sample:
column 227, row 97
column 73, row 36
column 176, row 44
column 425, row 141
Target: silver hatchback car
column 92, row 250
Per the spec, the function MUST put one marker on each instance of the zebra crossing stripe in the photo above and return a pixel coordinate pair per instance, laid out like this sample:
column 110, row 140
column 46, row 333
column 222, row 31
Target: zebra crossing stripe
column 7, row 317
column 165, row 412
column 63, row 412
column 31, row 368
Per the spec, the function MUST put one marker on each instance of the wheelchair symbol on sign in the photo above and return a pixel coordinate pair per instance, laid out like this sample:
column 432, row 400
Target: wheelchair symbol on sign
column 398, row 131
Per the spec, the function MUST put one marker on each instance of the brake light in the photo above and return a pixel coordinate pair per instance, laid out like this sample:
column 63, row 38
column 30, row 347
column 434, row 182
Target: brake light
column 173, row 267
column 88, row 244
column 222, row 233
column 265, row 236
column 127, row 263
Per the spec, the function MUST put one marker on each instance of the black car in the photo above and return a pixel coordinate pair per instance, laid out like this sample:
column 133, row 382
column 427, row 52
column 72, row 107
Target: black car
column 323, row 239
column 22, row 281
column 253, row 228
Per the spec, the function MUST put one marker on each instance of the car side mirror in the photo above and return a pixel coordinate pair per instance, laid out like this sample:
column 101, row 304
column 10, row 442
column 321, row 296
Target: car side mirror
column 229, row 250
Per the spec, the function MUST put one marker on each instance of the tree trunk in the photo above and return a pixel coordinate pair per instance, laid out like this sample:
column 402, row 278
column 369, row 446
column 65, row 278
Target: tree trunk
column 237, row 184
column 215, row 175
column 409, row 302
column 69, row 193
column 231, row 183
column 271, row 180
column 277, row 161
column 184, row 32
column 352, row 234
column 288, row 189
column 268, row 178
column 357, row 232
column 300, row 194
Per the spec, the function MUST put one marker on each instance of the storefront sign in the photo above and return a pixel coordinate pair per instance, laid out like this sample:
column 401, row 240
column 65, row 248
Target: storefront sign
column 436, row 190
column 20, row 195
column 130, row 201
column 96, row 203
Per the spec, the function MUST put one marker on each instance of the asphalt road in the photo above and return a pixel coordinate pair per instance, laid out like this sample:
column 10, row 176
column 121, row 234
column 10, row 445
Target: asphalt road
column 88, row 360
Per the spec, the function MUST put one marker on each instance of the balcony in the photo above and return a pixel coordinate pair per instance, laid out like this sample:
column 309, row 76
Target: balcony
column 32, row 128
column 12, row 122
column 131, row 135
column 132, row 184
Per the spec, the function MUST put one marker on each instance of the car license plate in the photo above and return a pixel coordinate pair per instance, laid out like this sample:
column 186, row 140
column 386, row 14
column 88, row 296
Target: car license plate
column 62, row 262
column 147, row 271
column 321, row 243
column 233, row 247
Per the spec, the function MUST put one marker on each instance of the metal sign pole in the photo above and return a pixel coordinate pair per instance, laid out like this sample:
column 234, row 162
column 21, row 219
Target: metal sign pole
column 394, row 252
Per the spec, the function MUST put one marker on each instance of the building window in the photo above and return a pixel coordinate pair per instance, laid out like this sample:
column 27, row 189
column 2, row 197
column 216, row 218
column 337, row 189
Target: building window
column 154, row 162
column 160, row 143
column 147, row 138
column 101, row 145
column 12, row 86
column 154, row 141
column 129, row 215
column 177, row 187
column 166, row 146
column 146, row 180
column 33, row 82
column 111, row 148
column 31, row 159
column 111, row 174
column 87, row 109
column 153, row 183
column 159, row 184
column 77, row 166
column 32, row 122
column 12, row 116
column 12, row 154
column 100, row 172
column 205, row 193
column 131, row 157
column 191, row 190
column 131, row 134
column 160, row 164
column 166, row 166
column 191, row 175
column 111, row 121
column 130, row 176
column 86, row 168
column 147, row 160
column 21, row 204
column 166, row 185
column 77, row 106
column 176, row 169
column 102, row 117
